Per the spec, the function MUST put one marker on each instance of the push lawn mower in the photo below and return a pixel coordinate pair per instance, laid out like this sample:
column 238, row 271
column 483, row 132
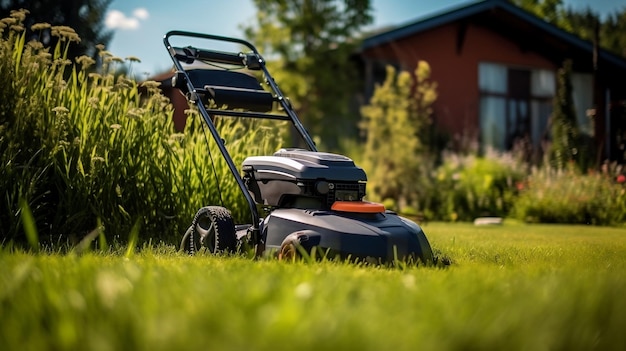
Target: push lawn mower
column 312, row 200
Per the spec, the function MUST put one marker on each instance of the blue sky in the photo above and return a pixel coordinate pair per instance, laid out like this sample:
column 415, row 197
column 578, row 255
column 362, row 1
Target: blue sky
column 139, row 25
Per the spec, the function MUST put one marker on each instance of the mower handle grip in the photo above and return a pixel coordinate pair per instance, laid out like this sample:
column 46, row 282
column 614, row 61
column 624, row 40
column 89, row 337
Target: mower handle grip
column 189, row 54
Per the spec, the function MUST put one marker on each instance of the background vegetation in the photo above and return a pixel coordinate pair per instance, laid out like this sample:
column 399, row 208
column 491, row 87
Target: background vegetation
column 395, row 121
column 309, row 45
column 85, row 151
column 586, row 24
column 567, row 196
column 85, row 17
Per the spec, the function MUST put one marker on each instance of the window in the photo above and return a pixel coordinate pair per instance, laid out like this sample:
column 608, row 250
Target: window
column 582, row 86
column 515, row 103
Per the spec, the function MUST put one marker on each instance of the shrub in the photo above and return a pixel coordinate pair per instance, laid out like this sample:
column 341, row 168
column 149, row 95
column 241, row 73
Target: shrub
column 395, row 122
column 566, row 196
column 469, row 186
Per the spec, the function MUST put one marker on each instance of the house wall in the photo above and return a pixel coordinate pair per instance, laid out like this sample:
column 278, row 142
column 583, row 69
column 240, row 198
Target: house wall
column 456, row 71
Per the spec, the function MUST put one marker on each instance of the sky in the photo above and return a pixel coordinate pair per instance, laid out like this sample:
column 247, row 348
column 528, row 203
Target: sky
column 139, row 25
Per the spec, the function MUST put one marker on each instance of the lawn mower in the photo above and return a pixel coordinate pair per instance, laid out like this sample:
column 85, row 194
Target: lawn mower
column 312, row 201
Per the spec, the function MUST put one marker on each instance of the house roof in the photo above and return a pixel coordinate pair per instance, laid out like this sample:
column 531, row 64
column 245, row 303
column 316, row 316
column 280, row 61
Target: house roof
column 529, row 31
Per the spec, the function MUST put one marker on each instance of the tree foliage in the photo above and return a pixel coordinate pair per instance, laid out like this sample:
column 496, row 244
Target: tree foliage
column 610, row 29
column 85, row 17
column 308, row 44
column 582, row 23
column 395, row 122
column 612, row 32
column 548, row 10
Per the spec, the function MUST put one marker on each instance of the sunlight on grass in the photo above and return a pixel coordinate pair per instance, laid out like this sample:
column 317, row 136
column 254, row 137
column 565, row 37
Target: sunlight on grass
column 508, row 287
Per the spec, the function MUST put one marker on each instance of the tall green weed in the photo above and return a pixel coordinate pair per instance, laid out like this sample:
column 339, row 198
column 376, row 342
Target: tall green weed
column 84, row 149
column 202, row 174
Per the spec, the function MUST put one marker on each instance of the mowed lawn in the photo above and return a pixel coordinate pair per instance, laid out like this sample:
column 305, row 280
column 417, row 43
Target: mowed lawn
column 510, row 287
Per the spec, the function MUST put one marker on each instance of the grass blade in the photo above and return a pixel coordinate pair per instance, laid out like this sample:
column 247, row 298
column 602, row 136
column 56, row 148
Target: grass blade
column 30, row 228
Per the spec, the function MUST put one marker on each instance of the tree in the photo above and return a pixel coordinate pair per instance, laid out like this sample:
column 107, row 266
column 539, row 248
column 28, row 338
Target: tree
column 610, row 30
column 582, row 23
column 85, row 17
column 395, row 122
column 548, row 10
column 612, row 33
column 308, row 44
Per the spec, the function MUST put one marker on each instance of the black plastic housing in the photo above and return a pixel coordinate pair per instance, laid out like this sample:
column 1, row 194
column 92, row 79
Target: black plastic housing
column 304, row 179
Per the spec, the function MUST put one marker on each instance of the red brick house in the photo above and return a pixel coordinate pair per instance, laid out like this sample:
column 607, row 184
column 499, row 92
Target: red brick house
column 495, row 65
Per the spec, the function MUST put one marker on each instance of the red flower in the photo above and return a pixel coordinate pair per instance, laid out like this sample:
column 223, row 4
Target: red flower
column 621, row 178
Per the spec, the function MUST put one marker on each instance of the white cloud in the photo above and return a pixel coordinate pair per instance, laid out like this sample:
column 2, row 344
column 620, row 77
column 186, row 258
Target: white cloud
column 141, row 13
column 117, row 20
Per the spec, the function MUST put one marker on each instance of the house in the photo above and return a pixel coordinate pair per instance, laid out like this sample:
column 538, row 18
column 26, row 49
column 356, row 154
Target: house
column 495, row 65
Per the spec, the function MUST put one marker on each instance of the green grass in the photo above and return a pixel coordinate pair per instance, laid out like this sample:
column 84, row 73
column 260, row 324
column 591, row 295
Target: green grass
column 515, row 287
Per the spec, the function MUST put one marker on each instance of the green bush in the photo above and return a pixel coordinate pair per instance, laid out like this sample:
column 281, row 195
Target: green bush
column 566, row 196
column 469, row 186
column 84, row 149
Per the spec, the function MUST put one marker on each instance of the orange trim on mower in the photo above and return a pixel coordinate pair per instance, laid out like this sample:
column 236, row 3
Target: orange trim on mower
column 358, row 207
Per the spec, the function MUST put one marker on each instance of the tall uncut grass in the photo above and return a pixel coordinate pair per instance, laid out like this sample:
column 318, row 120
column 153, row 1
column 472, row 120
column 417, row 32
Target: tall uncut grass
column 84, row 150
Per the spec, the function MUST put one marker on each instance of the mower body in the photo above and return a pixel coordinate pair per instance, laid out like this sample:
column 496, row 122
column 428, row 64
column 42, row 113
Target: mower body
column 306, row 191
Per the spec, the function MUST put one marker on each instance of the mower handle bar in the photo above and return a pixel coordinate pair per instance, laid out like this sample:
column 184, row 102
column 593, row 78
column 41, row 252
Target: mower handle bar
column 251, row 60
column 209, row 37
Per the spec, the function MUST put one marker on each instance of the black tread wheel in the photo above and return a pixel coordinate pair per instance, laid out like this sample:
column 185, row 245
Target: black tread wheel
column 213, row 228
column 185, row 243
